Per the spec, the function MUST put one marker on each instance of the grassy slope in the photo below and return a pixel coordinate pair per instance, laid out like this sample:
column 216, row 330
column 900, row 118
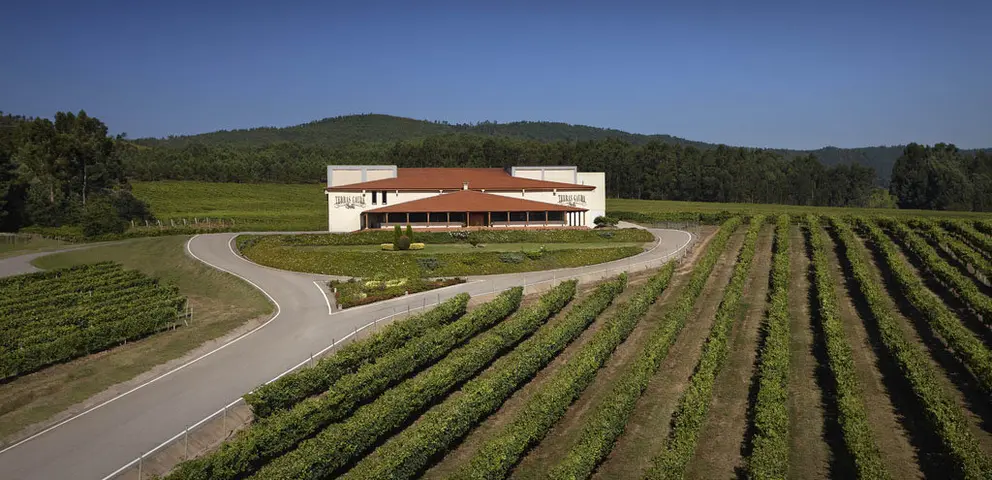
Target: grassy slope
column 13, row 246
column 262, row 206
column 220, row 303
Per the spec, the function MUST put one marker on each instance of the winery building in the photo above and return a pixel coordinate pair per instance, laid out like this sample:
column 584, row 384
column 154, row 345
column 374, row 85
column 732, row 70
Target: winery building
column 380, row 196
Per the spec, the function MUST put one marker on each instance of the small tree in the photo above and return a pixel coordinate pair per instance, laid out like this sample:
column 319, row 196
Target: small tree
column 409, row 232
column 604, row 221
column 403, row 243
column 397, row 233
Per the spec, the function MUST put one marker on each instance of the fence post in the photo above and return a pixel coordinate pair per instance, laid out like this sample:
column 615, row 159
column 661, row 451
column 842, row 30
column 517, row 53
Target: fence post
column 225, row 421
column 140, row 457
column 187, row 442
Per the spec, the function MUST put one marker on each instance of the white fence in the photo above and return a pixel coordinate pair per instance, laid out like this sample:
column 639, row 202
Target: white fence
column 207, row 433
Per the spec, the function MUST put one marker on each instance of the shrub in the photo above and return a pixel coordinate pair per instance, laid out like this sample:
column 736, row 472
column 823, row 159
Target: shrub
column 605, row 221
column 387, row 246
column 101, row 218
column 459, row 235
column 403, row 243
column 409, row 232
column 417, row 246
column 397, row 233
column 607, row 234
column 428, row 263
column 512, row 257
column 535, row 254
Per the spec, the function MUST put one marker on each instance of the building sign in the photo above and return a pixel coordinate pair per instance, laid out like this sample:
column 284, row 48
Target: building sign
column 349, row 201
column 572, row 200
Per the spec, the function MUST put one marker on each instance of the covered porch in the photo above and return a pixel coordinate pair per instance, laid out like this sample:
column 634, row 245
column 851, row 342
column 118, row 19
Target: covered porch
column 468, row 209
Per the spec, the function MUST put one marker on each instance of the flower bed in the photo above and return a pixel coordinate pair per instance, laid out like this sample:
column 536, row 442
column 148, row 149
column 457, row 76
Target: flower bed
column 358, row 291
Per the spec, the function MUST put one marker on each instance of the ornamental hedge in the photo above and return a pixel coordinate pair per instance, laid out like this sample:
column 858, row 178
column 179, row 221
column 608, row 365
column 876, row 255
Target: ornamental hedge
column 946, row 419
column 339, row 444
column 607, row 422
column 690, row 413
column 770, row 444
column 282, row 431
column 966, row 346
column 292, row 388
column 852, row 417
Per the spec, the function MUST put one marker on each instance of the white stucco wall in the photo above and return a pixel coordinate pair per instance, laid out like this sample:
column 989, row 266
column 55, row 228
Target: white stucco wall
column 597, row 198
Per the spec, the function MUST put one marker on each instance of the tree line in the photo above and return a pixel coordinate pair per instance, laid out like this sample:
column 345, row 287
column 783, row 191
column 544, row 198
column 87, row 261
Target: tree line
column 64, row 172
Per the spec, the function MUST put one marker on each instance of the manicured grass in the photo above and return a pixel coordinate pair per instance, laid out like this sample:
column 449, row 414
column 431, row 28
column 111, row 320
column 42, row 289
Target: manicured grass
column 11, row 246
column 220, row 303
column 435, row 261
column 466, row 248
column 263, row 206
column 614, row 205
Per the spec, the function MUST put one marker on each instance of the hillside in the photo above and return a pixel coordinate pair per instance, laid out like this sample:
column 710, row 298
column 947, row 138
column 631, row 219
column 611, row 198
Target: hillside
column 376, row 128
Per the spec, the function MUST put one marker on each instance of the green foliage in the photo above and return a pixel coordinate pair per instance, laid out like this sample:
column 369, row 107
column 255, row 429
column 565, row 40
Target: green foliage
column 101, row 218
column 944, row 416
column 375, row 237
column 604, row 221
column 403, row 243
column 962, row 341
column 695, row 401
column 607, row 422
column 980, row 241
column 271, row 251
column 770, row 453
column 962, row 286
column 291, row 389
column 941, row 178
column 962, row 251
column 409, row 232
column 397, row 233
column 853, row 419
column 333, row 448
column 56, row 316
column 528, row 427
column 358, row 291
column 282, row 431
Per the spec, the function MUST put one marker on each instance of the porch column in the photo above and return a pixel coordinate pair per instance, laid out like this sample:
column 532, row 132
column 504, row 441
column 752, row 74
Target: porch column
column 407, row 218
column 428, row 219
column 447, row 219
column 527, row 218
column 489, row 216
column 545, row 218
column 468, row 220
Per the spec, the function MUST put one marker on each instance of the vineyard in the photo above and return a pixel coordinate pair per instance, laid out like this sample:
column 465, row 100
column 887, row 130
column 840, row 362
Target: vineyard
column 782, row 347
column 58, row 315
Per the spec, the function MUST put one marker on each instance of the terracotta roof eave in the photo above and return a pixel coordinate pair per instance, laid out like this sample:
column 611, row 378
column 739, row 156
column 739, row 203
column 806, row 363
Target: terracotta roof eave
column 350, row 188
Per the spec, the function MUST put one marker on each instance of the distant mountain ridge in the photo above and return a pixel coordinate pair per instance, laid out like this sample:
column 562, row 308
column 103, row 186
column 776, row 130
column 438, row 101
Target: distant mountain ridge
column 379, row 128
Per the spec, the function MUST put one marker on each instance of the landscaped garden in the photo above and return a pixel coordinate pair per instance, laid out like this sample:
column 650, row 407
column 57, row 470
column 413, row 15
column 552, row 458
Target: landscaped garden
column 354, row 292
column 441, row 254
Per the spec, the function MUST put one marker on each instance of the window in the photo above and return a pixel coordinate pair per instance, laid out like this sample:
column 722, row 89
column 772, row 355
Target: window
column 373, row 197
column 383, row 197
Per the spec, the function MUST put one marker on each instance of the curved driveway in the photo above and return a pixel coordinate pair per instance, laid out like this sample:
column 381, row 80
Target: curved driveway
column 98, row 441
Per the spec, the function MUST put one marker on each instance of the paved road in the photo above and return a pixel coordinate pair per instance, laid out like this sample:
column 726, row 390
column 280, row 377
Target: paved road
column 100, row 440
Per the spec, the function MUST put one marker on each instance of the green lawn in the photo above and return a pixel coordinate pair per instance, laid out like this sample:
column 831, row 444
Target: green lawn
column 263, row 206
column 220, row 302
column 11, row 246
column 466, row 248
column 668, row 206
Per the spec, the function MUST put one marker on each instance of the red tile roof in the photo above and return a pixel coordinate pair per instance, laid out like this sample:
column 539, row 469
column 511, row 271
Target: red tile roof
column 472, row 201
column 452, row 179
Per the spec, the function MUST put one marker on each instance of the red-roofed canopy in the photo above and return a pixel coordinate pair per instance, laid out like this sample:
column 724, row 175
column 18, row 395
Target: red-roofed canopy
column 472, row 201
column 421, row 179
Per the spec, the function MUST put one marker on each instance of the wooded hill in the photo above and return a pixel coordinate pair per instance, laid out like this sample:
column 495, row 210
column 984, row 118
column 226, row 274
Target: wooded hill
column 338, row 132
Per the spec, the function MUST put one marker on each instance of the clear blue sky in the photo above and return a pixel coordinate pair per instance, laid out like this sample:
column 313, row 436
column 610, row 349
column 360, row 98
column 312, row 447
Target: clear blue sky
column 794, row 74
